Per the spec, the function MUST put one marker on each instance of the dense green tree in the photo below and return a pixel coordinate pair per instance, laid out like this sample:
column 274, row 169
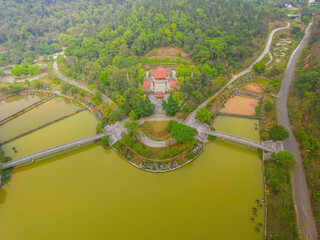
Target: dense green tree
column 105, row 141
column 259, row 67
column 128, row 140
column 43, row 49
column 34, row 70
column 99, row 128
column 308, row 81
column 204, row 115
column 144, row 108
column 182, row 133
column 131, row 126
column 29, row 56
column 278, row 133
column 171, row 106
column 285, row 160
column 20, row 70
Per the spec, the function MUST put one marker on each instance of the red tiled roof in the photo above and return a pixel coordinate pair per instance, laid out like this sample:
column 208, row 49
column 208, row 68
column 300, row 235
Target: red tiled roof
column 173, row 83
column 159, row 94
column 146, row 84
column 160, row 73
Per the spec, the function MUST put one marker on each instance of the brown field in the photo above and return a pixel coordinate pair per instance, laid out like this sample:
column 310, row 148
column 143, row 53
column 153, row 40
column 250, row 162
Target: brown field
column 240, row 105
column 253, row 87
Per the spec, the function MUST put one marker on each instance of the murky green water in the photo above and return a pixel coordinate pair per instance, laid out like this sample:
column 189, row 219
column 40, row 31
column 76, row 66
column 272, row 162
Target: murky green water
column 44, row 113
column 20, row 102
column 92, row 193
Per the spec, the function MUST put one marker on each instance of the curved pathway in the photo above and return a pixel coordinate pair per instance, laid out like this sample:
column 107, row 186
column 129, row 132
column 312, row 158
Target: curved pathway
column 190, row 119
column 155, row 144
column 79, row 85
column 306, row 222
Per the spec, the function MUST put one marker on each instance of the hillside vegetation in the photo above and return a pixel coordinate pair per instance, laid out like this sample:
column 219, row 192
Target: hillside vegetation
column 105, row 42
column 304, row 111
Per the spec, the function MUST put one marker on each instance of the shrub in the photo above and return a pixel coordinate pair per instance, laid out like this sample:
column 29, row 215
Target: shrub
column 55, row 81
column 99, row 128
column 211, row 138
column 128, row 140
column 171, row 106
column 265, row 135
column 278, row 133
column 295, row 30
column 162, row 155
column 141, row 150
column 268, row 106
column 274, row 71
column 285, row 160
column 182, row 133
column 131, row 126
column 190, row 155
column 259, row 67
column 203, row 115
column 276, row 84
column 309, row 143
column 258, row 110
column 105, row 141
column 187, row 108
column 274, row 185
column 174, row 151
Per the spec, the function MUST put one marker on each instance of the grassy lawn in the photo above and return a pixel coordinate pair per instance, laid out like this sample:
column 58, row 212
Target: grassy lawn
column 261, row 82
column 156, row 130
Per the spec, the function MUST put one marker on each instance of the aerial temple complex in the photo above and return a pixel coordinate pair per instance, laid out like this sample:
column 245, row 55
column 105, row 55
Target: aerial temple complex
column 160, row 81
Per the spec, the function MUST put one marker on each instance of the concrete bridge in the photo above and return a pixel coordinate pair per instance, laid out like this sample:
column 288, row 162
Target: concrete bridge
column 240, row 140
column 50, row 151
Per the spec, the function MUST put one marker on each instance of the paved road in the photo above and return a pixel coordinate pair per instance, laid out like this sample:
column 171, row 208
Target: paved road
column 79, row 85
column 306, row 223
column 189, row 120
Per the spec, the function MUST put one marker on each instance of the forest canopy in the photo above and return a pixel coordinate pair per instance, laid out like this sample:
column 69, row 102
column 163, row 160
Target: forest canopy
column 106, row 40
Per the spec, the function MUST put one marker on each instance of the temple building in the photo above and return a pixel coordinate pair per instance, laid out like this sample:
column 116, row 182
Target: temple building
column 160, row 81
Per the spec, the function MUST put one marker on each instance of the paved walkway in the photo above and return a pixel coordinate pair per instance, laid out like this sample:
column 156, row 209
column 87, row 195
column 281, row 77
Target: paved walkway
column 155, row 144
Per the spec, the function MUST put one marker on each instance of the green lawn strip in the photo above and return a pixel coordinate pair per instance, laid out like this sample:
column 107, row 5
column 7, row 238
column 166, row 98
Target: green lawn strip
column 281, row 217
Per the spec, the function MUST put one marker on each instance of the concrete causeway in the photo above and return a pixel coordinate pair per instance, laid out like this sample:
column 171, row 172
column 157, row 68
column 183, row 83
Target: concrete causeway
column 244, row 141
column 50, row 151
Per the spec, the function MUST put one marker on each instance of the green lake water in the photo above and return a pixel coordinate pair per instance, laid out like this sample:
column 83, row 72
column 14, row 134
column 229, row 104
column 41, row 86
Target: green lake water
column 19, row 102
column 92, row 193
column 44, row 113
